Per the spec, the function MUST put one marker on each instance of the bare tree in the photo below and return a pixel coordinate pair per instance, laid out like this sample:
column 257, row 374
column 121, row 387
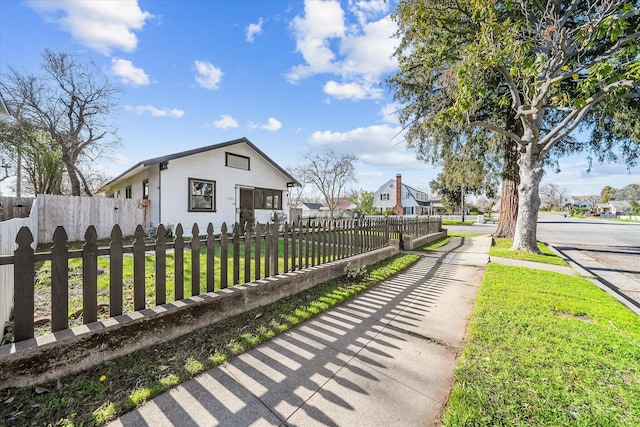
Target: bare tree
column 553, row 196
column 71, row 100
column 329, row 173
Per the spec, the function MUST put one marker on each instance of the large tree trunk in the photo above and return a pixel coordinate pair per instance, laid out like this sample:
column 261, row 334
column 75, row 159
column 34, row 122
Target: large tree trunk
column 509, row 198
column 528, row 201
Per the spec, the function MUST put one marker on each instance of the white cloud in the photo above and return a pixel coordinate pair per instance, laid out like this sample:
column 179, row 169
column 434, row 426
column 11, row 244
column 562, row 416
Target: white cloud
column 100, row 25
column 272, row 125
column 353, row 91
column 226, row 122
column 322, row 22
column 155, row 112
column 128, row 73
column 360, row 53
column 390, row 113
column 254, row 29
column 379, row 145
column 209, row 76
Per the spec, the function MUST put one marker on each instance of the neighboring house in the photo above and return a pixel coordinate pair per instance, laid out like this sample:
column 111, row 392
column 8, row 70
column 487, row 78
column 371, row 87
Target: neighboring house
column 585, row 202
column 310, row 209
column 402, row 199
column 615, row 207
column 228, row 182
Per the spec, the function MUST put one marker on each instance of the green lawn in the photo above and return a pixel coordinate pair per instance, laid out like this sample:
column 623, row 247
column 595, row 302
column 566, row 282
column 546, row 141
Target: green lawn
column 501, row 249
column 547, row 349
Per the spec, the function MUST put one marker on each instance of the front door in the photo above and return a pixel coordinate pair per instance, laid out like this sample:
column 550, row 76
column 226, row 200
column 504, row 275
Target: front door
column 246, row 207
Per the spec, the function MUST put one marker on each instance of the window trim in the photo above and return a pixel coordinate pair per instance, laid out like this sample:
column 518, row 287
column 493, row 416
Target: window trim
column 128, row 192
column 189, row 195
column 226, row 161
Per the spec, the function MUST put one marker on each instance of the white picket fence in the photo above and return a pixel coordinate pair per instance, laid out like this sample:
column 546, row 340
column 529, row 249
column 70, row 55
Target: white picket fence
column 8, row 232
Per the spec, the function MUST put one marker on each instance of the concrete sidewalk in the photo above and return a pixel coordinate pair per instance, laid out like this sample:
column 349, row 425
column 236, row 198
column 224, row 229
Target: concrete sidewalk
column 385, row 358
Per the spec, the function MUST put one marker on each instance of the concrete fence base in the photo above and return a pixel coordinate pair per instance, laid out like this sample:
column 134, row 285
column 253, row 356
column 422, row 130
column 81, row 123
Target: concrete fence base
column 52, row 356
column 409, row 243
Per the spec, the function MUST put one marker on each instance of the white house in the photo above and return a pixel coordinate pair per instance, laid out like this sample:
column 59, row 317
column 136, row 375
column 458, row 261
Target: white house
column 227, row 182
column 402, row 199
column 616, row 207
column 586, row 202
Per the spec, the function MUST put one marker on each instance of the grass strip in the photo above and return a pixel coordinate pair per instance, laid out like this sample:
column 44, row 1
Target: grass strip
column 95, row 396
column 502, row 248
column 547, row 349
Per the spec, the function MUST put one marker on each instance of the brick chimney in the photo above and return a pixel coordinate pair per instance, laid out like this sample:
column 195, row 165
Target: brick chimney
column 398, row 209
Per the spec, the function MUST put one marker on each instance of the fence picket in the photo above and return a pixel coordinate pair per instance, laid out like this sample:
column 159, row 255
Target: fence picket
column 257, row 251
column 59, row 281
column 115, row 272
column 224, row 256
column 247, row 252
column 211, row 241
column 139, row 276
column 236, row 253
column 178, row 258
column 23, row 283
column 90, row 276
column 161, row 265
column 195, row 260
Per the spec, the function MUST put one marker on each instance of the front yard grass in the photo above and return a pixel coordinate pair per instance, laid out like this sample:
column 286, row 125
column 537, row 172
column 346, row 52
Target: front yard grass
column 547, row 349
column 501, row 248
column 97, row 395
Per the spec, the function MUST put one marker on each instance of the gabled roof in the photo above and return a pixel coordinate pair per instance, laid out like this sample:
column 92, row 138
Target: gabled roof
column 312, row 206
column 157, row 160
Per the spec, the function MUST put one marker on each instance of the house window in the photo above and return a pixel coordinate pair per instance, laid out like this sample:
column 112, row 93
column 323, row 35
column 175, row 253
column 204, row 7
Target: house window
column 266, row 198
column 127, row 192
column 237, row 161
column 145, row 189
column 384, row 196
column 202, row 195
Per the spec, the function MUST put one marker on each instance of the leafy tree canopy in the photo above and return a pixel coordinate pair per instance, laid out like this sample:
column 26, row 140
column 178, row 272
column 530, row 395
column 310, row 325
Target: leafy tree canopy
column 552, row 66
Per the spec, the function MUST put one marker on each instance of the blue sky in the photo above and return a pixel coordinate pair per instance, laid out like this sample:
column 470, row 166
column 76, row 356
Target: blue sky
column 293, row 77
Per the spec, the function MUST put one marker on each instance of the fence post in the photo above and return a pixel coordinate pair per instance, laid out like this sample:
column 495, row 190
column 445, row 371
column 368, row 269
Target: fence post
column 210, row 259
column 178, row 266
column 236, row 253
column 138, row 269
column 23, row 278
column 59, row 281
column 195, row 260
column 115, row 272
column 161, row 265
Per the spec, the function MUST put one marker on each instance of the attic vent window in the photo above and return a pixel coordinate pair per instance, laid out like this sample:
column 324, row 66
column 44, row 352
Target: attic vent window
column 237, row 161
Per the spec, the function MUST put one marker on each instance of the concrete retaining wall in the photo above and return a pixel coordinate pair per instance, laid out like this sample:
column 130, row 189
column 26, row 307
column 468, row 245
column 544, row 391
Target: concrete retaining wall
column 409, row 243
column 52, row 356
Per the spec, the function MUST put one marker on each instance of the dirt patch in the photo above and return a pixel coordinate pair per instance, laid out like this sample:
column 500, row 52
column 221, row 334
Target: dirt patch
column 575, row 316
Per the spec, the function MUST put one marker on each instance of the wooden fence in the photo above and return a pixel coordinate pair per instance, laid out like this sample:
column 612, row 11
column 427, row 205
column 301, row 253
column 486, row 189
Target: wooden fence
column 240, row 256
column 8, row 231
